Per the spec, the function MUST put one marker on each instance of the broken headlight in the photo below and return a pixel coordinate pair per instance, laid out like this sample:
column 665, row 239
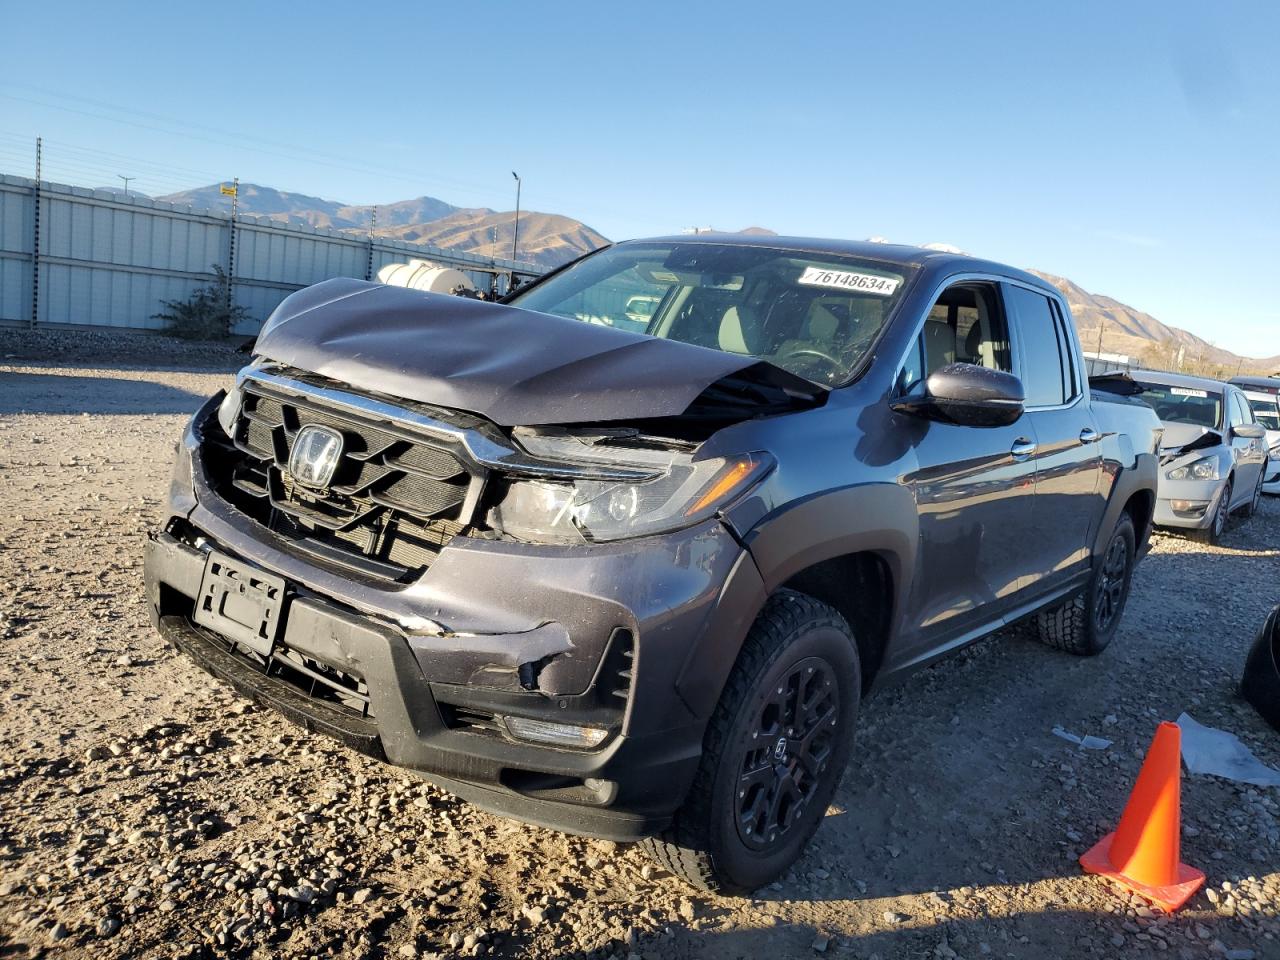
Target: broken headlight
column 1206, row 468
column 679, row 492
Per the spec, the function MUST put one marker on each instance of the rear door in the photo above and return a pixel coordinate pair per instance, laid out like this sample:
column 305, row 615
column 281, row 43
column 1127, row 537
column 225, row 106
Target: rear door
column 1067, row 453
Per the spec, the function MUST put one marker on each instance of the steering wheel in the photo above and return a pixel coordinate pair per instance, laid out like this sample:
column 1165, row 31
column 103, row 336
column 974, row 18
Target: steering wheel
column 814, row 352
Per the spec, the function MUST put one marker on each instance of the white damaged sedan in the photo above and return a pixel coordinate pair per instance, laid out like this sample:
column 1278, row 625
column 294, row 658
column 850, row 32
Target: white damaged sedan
column 1213, row 455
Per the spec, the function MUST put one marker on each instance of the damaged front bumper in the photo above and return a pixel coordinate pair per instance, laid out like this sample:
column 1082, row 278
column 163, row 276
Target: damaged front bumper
column 608, row 637
column 1187, row 504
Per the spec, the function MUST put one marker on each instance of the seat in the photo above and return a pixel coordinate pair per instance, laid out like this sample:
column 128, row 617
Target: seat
column 939, row 345
column 731, row 337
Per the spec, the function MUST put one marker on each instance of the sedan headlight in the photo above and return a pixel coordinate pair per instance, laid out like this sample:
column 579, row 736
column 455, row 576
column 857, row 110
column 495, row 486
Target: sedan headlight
column 682, row 492
column 1275, row 452
column 1206, row 468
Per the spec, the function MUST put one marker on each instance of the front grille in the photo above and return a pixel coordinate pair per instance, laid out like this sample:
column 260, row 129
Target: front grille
column 395, row 500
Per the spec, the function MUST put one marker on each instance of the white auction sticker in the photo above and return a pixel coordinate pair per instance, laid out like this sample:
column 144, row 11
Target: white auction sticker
column 846, row 280
column 1185, row 392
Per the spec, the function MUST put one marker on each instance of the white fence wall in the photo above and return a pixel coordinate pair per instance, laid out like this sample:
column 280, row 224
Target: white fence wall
column 108, row 260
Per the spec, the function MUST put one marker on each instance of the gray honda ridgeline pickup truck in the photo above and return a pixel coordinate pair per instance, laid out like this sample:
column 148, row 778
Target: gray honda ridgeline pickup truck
column 631, row 576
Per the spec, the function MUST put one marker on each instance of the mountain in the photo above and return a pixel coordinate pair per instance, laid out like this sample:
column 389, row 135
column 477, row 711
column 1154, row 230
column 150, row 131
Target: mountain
column 550, row 239
column 1110, row 326
column 546, row 239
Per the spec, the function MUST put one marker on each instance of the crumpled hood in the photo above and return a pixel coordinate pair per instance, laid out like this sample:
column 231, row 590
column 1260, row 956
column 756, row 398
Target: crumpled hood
column 1185, row 437
column 513, row 366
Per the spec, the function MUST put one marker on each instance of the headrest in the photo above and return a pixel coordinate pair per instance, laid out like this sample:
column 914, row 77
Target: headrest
column 731, row 338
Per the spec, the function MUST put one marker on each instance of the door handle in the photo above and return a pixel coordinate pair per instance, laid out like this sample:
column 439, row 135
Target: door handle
column 1022, row 448
column 1089, row 435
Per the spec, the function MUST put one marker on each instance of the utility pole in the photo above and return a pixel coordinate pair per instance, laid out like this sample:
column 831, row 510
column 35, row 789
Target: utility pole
column 126, row 182
column 35, row 241
column 515, row 236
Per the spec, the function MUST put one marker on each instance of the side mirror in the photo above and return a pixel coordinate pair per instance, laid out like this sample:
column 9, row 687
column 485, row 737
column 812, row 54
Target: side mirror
column 969, row 395
column 1250, row 431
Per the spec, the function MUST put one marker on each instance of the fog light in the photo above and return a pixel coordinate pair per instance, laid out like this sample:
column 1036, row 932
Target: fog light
column 1194, row 507
column 556, row 734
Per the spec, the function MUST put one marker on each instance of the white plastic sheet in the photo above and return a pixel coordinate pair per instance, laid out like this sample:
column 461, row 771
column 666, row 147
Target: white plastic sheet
column 1213, row 751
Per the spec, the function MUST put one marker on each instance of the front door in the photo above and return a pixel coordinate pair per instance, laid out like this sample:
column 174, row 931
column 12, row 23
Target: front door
column 973, row 486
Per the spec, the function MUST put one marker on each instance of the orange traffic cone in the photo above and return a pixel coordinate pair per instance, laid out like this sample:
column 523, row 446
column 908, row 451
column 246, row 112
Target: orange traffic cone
column 1143, row 852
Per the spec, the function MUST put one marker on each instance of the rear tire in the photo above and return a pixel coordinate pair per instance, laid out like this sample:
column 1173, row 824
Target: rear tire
column 1085, row 624
column 774, row 751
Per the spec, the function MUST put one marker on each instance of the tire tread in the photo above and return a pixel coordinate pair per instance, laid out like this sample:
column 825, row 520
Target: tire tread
column 679, row 849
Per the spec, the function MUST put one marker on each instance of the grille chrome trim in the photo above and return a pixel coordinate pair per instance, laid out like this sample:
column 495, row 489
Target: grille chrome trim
column 481, row 448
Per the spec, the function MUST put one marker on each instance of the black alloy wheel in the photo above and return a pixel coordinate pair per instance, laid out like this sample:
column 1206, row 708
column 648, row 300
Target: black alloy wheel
column 1113, row 581
column 786, row 754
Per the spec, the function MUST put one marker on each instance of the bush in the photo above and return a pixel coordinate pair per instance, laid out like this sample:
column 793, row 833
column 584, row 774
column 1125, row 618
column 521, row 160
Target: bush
column 205, row 315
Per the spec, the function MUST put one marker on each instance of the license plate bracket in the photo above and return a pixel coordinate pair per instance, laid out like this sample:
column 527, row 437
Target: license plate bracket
column 240, row 602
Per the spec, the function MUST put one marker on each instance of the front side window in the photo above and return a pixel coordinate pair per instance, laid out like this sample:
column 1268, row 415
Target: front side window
column 965, row 325
column 1174, row 404
column 813, row 314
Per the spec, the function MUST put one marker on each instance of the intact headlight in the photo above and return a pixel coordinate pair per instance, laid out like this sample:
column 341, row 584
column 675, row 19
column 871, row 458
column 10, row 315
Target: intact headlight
column 684, row 493
column 1275, row 452
column 1206, row 468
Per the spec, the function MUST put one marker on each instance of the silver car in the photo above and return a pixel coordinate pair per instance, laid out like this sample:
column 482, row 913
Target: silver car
column 1212, row 455
column 1266, row 410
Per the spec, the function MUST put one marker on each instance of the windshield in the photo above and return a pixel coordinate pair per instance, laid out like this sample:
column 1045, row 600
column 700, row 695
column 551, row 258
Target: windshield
column 1184, row 404
column 815, row 315
column 1265, row 411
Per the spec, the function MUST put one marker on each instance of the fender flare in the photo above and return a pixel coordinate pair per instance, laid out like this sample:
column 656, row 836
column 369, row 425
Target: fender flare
column 874, row 518
column 1139, row 477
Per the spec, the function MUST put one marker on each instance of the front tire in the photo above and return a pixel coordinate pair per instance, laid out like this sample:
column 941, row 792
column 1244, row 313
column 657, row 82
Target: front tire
column 1252, row 507
column 1085, row 624
column 1212, row 534
column 775, row 749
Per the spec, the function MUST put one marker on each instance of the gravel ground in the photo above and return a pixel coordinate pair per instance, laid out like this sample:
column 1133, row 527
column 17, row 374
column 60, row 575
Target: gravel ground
column 145, row 811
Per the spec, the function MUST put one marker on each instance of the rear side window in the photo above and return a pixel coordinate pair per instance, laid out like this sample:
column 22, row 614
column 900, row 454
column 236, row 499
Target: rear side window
column 1047, row 375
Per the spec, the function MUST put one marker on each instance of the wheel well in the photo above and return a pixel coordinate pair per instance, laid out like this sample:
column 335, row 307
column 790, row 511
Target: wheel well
column 1140, row 507
column 860, row 587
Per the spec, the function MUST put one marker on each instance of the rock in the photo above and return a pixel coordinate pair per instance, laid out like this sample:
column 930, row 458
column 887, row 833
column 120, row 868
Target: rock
column 820, row 943
column 686, row 909
column 97, row 753
column 407, row 950
column 59, row 932
column 535, row 915
column 108, row 926
column 1241, row 953
column 362, row 895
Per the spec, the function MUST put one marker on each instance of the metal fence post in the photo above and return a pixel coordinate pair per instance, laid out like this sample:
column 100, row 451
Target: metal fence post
column 35, row 240
column 231, row 244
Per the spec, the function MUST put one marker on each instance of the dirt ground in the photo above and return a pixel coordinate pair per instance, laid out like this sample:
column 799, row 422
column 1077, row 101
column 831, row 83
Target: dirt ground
column 145, row 811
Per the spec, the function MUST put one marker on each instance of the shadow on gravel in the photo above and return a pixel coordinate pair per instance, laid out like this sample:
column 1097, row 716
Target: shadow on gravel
column 1048, row 934
column 53, row 394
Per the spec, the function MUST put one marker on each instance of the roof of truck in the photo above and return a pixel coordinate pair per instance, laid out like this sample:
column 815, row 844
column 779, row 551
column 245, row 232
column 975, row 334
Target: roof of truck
column 890, row 253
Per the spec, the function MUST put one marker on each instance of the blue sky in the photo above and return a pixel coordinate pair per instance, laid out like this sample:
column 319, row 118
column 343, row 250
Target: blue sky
column 1134, row 147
